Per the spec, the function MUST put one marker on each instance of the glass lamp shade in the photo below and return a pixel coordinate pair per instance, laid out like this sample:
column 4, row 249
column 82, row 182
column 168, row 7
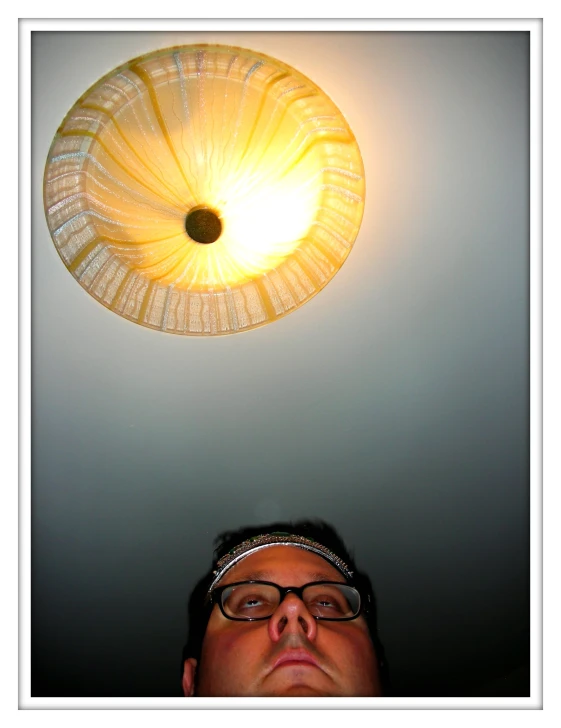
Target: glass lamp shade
column 204, row 190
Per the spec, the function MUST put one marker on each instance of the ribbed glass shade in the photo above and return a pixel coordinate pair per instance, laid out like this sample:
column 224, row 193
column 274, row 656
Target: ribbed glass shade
column 204, row 190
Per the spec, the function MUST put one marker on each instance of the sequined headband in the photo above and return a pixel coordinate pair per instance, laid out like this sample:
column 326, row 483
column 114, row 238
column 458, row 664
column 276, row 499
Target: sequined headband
column 277, row 538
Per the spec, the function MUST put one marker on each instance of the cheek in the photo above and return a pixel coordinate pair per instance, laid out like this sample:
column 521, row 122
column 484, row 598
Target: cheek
column 220, row 649
column 225, row 651
column 355, row 659
column 228, row 640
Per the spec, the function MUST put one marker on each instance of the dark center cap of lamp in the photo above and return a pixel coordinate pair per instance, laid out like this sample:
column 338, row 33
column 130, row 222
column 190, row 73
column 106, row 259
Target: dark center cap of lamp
column 203, row 225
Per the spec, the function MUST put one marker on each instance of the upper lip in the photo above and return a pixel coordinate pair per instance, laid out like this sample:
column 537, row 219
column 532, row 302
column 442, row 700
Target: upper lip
column 295, row 656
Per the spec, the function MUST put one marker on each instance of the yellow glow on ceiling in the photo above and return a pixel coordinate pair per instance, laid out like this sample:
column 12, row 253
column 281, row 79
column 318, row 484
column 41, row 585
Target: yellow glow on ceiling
column 219, row 127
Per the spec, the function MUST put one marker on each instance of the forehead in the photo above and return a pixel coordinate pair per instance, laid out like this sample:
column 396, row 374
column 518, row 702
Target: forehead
column 285, row 565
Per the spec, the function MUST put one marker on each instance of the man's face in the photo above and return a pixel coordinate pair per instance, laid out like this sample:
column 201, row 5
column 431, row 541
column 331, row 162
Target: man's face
column 290, row 654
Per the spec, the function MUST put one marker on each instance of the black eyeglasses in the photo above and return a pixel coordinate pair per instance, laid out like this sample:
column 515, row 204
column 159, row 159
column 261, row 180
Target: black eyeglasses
column 249, row 601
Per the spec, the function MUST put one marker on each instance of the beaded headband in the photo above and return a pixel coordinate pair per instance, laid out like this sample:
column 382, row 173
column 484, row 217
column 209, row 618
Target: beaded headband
column 277, row 538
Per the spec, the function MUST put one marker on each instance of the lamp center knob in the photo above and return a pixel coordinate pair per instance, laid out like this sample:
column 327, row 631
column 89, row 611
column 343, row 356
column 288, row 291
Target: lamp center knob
column 203, row 225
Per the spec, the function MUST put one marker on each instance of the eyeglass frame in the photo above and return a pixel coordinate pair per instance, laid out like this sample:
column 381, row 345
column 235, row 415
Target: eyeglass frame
column 283, row 590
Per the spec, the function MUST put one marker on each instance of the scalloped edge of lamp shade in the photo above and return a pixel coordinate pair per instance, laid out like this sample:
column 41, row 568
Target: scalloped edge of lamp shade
column 195, row 126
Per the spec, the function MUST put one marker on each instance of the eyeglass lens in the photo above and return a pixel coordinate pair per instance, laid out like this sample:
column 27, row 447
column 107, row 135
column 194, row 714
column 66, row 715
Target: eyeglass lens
column 258, row 601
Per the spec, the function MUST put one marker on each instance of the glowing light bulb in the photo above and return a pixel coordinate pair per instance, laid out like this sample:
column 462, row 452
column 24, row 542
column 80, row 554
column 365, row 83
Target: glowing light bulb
column 204, row 190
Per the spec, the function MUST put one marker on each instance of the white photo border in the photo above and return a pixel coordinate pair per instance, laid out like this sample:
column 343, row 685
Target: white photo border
column 534, row 26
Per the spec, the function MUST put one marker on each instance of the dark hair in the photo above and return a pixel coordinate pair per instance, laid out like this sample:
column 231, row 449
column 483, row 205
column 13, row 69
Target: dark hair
column 199, row 610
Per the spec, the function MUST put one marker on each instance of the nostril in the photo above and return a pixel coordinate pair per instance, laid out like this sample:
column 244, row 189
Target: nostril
column 303, row 624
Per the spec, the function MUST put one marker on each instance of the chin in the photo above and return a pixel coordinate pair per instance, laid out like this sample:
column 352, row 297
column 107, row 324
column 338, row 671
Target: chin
column 299, row 691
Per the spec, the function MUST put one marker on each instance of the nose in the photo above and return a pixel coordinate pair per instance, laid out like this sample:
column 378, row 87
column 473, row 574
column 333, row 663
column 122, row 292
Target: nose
column 291, row 616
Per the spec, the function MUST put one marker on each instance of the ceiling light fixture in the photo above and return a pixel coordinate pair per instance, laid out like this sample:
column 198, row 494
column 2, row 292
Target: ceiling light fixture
column 204, row 190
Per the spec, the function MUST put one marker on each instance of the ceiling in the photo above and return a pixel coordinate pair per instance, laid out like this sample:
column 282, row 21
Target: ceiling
column 394, row 404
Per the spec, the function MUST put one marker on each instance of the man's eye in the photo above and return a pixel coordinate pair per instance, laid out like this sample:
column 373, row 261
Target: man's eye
column 328, row 604
column 245, row 604
column 251, row 602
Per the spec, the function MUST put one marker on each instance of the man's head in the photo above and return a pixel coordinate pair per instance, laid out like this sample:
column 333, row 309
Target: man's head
column 304, row 627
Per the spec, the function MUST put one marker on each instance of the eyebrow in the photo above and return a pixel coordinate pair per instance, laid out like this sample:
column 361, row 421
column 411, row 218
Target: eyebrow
column 269, row 576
